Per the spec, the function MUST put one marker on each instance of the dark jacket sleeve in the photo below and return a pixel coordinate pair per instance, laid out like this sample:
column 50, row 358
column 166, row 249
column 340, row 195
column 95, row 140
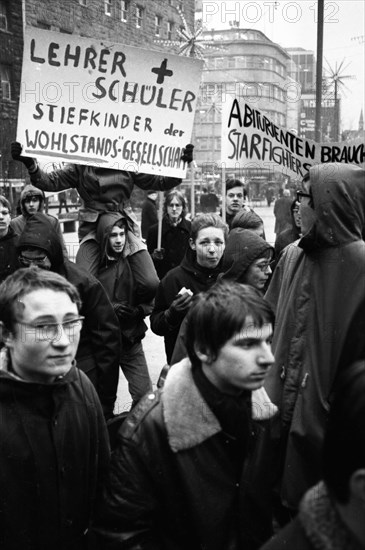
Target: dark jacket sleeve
column 145, row 276
column 165, row 295
column 58, row 180
column 126, row 516
column 104, row 334
column 159, row 183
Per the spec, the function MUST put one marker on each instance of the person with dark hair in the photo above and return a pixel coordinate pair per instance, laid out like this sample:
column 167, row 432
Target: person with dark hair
column 331, row 514
column 249, row 220
column 197, row 272
column 189, row 469
column 8, row 239
column 149, row 212
column 32, row 200
column 54, row 442
column 101, row 190
column 209, row 201
column 174, row 237
column 316, row 289
column 247, row 259
column 235, row 199
column 99, row 348
column 282, row 213
column 130, row 281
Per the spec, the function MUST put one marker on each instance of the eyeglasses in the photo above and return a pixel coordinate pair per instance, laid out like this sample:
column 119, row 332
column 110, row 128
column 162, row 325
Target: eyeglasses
column 301, row 194
column 27, row 262
column 264, row 266
column 51, row 331
column 32, row 198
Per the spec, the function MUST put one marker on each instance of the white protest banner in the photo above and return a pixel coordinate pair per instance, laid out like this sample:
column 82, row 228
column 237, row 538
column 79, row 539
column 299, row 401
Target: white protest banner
column 105, row 104
column 251, row 140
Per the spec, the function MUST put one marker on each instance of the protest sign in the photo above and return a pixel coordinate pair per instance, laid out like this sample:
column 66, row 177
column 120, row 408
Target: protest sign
column 105, row 104
column 251, row 140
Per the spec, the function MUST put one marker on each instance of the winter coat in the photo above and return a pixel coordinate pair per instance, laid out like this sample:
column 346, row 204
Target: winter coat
column 19, row 222
column 315, row 291
column 172, row 485
column 189, row 275
column 282, row 213
column 174, row 241
column 100, row 189
column 8, row 254
column 130, row 279
column 53, row 460
column 148, row 216
column 317, row 526
column 99, row 348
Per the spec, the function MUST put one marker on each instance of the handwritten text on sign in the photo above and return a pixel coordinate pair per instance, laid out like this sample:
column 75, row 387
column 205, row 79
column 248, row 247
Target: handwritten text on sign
column 98, row 103
column 252, row 140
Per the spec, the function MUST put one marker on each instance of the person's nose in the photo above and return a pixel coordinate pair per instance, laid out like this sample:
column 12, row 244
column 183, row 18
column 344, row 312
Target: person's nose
column 63, row 339
column 266, row 356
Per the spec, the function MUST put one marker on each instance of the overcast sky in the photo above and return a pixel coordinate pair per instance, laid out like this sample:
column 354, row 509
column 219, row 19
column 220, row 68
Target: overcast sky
column 293, row 24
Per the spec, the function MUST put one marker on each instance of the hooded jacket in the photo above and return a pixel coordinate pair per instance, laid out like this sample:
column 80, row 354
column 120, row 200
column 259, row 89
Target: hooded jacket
column 54, row 456
column 172, row 483
column 98, row 351
column 315, row 291
column 18, row 223
column 188, row 274
column 242, row 248
column 130, row 279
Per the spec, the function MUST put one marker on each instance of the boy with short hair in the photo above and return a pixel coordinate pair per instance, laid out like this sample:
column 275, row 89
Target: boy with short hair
column 189, row 470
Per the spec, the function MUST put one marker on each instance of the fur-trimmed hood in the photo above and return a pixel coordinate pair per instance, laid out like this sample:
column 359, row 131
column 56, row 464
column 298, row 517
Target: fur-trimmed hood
column 191, row 424
column 31, row 190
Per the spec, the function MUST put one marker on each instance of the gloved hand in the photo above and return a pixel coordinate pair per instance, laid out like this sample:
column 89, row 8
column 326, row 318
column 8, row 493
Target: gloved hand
column 128, row 314
column 178, row 309
column 187, row 155
column 158, row 254
column 16, row 153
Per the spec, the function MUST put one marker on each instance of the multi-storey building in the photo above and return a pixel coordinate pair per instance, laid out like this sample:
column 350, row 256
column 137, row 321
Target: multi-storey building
column 242, row 62
column 133, row 22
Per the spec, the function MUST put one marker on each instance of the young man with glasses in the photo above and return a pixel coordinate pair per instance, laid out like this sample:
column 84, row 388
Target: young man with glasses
column 54, row 447
column 8, row 238
column 99, row 349
column 315, row 291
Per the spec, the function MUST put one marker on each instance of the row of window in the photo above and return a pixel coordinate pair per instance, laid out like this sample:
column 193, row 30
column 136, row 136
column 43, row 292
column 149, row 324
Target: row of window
column 246, row 62
column 217, row 92
column 5, row 81
column 127, row 10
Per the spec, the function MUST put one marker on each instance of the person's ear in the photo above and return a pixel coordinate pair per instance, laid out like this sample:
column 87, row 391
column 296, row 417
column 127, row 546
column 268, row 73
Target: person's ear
column 192, row 244
column 202, row 356
column 357, row 485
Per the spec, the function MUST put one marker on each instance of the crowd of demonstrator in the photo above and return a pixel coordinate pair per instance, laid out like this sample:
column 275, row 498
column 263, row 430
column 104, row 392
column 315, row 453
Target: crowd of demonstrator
column 252, row 438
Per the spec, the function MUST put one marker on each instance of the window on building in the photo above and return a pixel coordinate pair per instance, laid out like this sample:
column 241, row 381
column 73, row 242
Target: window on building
column 4, row 22
column 231, row 62
column 83, row 2
column 139, row 17
column 180, row 5
column 108, row 7
column 5, row 81
column 170, row 30
column 123, row 10
column 158, row 23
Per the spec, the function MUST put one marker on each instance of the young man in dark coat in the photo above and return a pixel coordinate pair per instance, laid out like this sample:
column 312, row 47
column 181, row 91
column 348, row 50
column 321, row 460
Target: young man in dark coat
column 54, row 443
column 8, row 238
column 99, row 348
column 188, row 471
column 149, row 212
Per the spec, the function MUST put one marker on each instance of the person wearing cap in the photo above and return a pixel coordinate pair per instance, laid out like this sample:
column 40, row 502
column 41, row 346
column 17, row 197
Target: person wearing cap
column 101, row 190
column 315, row 290
column 54, row 443
column 32, row 200
column 189, row 470
column 8, row 239
column 99, row 348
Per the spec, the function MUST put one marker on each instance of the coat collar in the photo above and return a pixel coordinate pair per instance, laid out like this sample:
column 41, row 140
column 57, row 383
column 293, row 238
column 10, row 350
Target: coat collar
column 188, row 419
